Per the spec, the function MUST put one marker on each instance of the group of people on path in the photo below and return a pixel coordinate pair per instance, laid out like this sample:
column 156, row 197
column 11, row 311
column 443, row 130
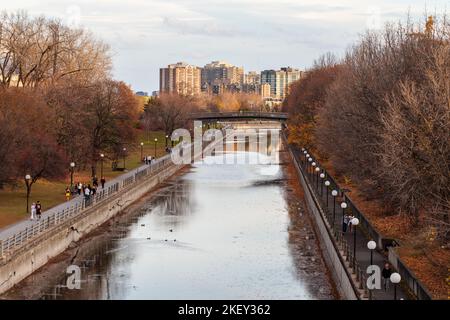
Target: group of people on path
column 347, row 223
column 36, row 210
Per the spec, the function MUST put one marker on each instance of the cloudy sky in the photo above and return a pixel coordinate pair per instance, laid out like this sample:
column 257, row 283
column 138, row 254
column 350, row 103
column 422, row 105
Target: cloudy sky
column 256, row 34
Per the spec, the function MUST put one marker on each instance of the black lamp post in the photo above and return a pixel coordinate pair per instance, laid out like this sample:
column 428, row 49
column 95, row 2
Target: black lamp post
column 28, row 185
column 322, row 176
column 395, row 279
column 156, row 140
column 72, row 167
column 355, row 222
column 102, row 156
column 142, row 151
column 167, row 137
column 343, row 206
column 327, row 186
column 371, row 245
column 334, row 193
column 124, row 157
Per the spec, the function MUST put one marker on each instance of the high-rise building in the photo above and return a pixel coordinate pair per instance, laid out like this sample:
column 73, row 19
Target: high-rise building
column 219, row 75
column 181, row 78
column 253, row 77
column 280, row 80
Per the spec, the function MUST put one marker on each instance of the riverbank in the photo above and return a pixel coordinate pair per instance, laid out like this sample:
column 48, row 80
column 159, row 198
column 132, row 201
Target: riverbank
column 51, row 193
column 41, row 284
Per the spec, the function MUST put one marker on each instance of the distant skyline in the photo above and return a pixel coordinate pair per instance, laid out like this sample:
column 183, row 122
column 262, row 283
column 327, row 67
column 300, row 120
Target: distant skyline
column 257, row 34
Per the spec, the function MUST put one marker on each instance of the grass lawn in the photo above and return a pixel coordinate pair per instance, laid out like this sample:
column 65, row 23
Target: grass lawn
column 51, row 193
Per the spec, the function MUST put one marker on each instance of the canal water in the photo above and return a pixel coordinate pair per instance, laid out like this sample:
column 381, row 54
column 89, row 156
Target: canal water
column 219, row 231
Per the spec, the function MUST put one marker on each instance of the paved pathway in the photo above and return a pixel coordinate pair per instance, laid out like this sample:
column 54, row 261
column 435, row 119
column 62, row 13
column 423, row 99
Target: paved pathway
column 21, row 225
column 362, row 252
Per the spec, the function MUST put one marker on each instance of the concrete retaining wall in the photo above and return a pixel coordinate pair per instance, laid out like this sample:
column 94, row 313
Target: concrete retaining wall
column 333, row 259
column 39, row 251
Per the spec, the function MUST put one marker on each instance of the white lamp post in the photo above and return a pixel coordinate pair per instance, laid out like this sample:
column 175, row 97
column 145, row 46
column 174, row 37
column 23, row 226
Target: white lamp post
column 27, row 183
column 327, row 186
column 395, row 279
column 355, row 222
column 334, row 193
column 343, row 206
column 72, row 166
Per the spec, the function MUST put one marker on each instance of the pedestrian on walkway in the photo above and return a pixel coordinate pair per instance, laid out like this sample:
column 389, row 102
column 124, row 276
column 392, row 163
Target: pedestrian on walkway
column 95, row 181
column 79, row 188
column 350, row 225
column 87, row 193
column 33, row 211
column 345, row 223
column 38, row 210
column 67, row 194
column 386, row 274
column 103, row 181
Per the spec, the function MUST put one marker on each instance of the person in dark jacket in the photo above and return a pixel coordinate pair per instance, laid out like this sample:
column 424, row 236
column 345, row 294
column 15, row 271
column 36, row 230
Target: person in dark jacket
column 386, row 274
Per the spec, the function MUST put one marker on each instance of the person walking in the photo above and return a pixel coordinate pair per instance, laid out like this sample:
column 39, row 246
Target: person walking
column 38, row 210
column 345, row 223
column 79, row 187
column 386, row 274
column 87, row 193
column 103, row 181
column 95, row 181
column 33, row 211
column 67, row 194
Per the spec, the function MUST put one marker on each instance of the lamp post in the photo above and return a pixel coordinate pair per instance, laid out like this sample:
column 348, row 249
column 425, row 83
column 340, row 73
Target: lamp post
column 124, row 157
column 395, row 279
column 371, row 245
column 306, row 158
column 327, row 186
column 142, row 151
column 156, row 140
column 355, row 222
column 27, row 183
column 72, row 166
column 167, row 137
column 312, row 171
column 317, row 178
column 343, row 206
column 322, row 176
column 334, row 193
column 309, row 160
column 102, row 156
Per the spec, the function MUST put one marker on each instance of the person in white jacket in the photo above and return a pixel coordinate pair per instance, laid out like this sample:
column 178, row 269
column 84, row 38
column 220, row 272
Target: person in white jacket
column 33, row 211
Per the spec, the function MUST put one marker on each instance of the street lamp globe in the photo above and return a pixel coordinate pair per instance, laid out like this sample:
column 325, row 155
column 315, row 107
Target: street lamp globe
column 355, row 221
column 371, row 245
column 334, row 193
column 72, row 164
column 167, row 136
column 142, row 144
column 317, row 169
column 309, row 159
column 343, row 205
column 156, row 139
column 313, row 164
column 322, row 175
column 124, row 149
column 327, row 183
column 27, row 177
column 307, row 155
column 395, row 278
column 303, row 149
column 102, row 155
